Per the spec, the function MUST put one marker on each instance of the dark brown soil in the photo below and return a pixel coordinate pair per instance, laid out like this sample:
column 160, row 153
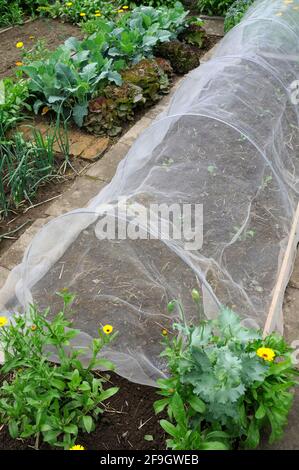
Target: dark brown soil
column 51, row 31
column 130, row 418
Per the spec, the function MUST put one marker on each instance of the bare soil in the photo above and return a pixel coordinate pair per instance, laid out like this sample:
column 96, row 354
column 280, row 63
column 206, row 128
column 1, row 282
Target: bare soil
column 53, row 32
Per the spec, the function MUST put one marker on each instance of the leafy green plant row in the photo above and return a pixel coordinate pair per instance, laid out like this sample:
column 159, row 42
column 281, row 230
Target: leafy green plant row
column 227, row 383
column 214, row 7
column 235, row 13
column 67, row 79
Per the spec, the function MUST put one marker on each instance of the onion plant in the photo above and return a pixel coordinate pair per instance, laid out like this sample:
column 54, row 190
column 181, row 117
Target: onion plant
column 26, row 164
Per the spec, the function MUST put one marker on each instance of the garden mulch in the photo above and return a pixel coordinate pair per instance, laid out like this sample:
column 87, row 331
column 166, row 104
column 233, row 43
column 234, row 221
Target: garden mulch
column 53, row 32
column 130, row 417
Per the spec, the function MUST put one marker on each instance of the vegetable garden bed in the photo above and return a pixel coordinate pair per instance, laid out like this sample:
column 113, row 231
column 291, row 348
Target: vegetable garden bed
column 222, row 383
column 129, row 424
column 52, row 32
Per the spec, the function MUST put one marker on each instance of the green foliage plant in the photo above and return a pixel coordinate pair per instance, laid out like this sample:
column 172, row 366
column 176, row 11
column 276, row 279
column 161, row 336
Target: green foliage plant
column 45, row 401
column 214, row 7
column 235, row 13
column 227, row 384
column 13, row 103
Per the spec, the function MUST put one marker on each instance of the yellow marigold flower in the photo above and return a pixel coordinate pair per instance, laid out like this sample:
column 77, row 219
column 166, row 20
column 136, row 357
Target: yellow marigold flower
column 19, row 64
column 120, row 11
column 108, row 329
column 69, row 4
column 77, row 447
column 82, row 14
column 125, row 7
column 164, row 332
column 3, row 321
column 33, row 327
column 19, row 45
column 266, row 353
column 98, row 14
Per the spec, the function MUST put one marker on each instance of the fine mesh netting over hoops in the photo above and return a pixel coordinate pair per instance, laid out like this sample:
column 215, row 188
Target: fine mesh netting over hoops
column 229, row 141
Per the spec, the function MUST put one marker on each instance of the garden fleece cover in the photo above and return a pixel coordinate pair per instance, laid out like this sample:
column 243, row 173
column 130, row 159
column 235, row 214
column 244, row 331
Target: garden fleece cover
column 229, row 140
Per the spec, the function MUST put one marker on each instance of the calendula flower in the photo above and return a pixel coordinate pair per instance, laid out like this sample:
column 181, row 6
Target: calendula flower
column 108, row 329
column 266, row 353
column 19, row 64
column 77, row 447
column 19, row 45
column 69, row 4
column 33, row 327
column 82, row 14
column 3, row 321
column 45, row 110
column 164, row 332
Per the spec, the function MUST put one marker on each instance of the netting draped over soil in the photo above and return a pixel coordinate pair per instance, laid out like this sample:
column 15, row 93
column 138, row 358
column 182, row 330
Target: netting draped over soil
column 229, row 141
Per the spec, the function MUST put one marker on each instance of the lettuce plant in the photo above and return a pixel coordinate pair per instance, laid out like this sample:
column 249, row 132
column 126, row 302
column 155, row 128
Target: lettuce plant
column 143, row 83
column 225, row 379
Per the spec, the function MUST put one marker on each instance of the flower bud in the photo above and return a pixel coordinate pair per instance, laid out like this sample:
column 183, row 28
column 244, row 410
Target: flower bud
column 195, row 295
column 170, row 306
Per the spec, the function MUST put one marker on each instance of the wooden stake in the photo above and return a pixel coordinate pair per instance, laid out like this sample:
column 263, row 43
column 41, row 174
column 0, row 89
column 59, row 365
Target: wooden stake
column 283, row 276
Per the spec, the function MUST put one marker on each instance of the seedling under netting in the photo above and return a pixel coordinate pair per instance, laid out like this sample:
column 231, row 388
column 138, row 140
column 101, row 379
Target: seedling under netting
column 229, row 141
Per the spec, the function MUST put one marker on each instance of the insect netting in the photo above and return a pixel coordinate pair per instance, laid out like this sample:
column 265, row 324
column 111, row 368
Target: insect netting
column 229, row 141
